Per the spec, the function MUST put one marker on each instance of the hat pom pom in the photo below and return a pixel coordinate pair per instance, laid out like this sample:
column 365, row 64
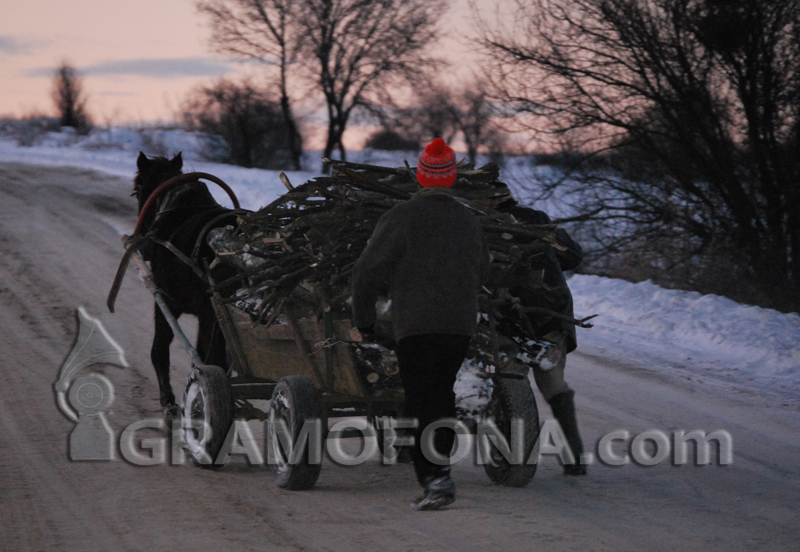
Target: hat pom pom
column 436, row 147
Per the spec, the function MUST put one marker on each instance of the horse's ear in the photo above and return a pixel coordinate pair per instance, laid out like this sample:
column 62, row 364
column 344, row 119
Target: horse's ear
column 177, row 161
column 141, row 162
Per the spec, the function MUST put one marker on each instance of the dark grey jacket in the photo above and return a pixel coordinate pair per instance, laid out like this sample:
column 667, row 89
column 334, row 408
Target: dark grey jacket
column 553, row 263
column 432, row 251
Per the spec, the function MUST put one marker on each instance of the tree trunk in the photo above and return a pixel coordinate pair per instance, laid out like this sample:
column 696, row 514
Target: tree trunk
column 330, row 145
column 472, row 152
column 295, row 140
column 336, row 126
column 794, row 229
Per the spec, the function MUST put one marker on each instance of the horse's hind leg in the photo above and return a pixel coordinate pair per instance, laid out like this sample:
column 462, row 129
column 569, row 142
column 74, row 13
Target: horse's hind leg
column 159, row 355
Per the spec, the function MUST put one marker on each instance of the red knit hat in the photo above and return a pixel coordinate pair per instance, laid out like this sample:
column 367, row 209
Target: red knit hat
column 437, row 165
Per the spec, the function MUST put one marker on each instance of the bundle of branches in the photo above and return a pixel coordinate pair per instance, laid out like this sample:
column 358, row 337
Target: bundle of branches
column 298, row 252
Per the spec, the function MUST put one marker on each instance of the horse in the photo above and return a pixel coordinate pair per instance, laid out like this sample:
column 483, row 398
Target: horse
column 183, row 217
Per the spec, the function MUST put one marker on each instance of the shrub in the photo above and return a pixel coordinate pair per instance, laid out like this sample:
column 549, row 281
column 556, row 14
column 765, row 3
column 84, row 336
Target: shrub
column 388, row 140
column 243, row 124
column 29, row 130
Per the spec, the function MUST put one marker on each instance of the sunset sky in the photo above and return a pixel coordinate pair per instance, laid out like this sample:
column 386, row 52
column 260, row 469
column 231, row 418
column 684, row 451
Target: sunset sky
column 138, row 58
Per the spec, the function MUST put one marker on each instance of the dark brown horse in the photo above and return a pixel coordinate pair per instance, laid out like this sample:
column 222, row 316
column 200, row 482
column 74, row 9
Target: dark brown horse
column 182, row 218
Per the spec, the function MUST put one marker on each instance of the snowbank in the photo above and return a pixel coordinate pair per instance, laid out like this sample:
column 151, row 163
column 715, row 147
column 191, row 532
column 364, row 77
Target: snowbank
column 682, row 328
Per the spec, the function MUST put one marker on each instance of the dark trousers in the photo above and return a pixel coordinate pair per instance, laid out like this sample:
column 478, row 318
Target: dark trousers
column 428, row 367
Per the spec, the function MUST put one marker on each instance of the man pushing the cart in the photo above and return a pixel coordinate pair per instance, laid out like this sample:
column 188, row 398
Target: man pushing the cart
column 433, row 253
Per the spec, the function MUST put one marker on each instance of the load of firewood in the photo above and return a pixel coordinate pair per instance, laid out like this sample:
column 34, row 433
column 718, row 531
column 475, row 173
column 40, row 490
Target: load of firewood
column 298, row 252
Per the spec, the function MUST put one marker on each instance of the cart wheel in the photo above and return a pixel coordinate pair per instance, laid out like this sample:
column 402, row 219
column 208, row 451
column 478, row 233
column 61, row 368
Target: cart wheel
column 512, row 399
column 294, row 401
column 207, row 414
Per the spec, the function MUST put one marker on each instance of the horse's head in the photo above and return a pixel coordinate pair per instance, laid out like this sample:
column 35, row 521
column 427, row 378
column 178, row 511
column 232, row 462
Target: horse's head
column 152, row 172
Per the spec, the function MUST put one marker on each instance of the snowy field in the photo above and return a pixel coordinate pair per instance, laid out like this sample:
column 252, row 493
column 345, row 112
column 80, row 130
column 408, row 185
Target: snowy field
column 703, row 337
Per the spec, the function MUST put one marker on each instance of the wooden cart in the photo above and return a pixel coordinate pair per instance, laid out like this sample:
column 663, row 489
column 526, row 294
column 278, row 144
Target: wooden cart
column 305, row 367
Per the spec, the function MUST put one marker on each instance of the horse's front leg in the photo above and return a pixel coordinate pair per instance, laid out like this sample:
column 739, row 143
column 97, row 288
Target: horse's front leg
column 159, row 355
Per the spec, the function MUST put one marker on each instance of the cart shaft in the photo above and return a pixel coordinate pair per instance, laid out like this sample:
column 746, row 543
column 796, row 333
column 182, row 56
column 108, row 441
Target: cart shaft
column 147, row 275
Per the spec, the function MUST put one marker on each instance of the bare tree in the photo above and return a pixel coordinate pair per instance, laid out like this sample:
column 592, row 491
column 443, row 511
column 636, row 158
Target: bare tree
column 359, row 48
column 440, row 111
column 263, row 30
column 431, row 113
column 69, row 98
column 435, row 113
column 702, row 96
column 352, row 51
column 474, row 114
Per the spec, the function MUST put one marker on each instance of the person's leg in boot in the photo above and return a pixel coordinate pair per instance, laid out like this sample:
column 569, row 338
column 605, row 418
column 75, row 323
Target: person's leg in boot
column 428, row 367
column 563, row 406
column 560, row 397
column 439, row 488
column 415, row 355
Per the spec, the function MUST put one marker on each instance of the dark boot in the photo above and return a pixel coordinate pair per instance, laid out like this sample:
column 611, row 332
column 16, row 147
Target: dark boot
column 563, row 407
column 440, row 491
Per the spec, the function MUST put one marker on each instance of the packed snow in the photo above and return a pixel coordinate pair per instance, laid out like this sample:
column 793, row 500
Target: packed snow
column 702, row 337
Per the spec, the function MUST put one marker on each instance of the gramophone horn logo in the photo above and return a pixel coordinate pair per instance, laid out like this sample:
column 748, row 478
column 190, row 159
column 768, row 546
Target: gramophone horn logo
column 89, row 395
